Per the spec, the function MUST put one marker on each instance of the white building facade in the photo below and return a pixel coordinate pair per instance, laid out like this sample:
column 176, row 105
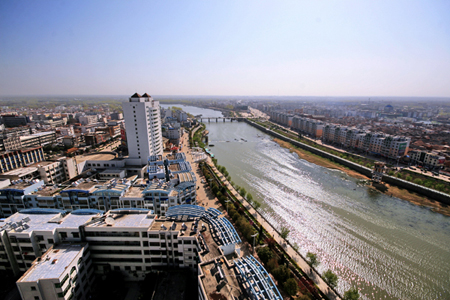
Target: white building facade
column 143, row 128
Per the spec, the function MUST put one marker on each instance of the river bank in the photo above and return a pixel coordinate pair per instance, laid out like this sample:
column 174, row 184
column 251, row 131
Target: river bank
column 385, row 188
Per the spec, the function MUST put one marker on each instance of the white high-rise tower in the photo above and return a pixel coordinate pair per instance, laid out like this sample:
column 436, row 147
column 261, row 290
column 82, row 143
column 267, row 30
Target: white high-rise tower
column 143, row 127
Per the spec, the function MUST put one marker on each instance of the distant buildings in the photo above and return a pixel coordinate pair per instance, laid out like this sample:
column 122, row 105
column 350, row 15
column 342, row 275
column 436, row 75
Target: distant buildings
column 427, row 158
column 386, row 145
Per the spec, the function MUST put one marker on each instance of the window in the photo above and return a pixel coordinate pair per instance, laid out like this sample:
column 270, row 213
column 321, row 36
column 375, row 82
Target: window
column 50, row 241
column 36, row 298
column 127, row 268
column 76, row 234
column 33, row 288
column 63, row 235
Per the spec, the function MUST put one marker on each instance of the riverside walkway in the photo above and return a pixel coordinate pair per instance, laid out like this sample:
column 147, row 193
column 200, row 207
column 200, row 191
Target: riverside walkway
column 321, row 284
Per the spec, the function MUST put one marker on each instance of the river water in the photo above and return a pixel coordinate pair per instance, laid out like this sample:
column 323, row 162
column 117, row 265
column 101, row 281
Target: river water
column 385, row 246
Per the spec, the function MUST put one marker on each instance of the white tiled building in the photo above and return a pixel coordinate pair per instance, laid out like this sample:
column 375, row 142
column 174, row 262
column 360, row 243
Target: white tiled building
column 63, row 272
column 143, row 127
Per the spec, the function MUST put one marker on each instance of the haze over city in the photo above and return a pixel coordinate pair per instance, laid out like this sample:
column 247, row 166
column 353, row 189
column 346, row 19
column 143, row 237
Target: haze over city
column 309, row 48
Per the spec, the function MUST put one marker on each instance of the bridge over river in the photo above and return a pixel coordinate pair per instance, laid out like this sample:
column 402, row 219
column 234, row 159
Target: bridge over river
column 224, row 119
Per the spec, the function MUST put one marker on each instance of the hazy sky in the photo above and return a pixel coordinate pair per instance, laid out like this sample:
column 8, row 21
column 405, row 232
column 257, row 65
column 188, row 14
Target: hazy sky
column 308, row 48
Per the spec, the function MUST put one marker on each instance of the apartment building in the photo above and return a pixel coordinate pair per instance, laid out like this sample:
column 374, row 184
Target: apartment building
column 63, row 272
column 160, row 195
column 382, row 144
column 143, row 128
column 38, row 139
column 86, row 120
column 13, row 197
column 53, row 172
column 28, row 234
column 10, row 160
column 430, row 159
column 86, row 193
column 58, row 253
column 15, row 120
column 311, row 127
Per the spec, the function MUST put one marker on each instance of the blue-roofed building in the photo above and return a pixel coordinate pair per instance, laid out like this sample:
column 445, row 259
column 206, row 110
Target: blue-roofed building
column 160, row 195
column 29, row 233
column 13, row 197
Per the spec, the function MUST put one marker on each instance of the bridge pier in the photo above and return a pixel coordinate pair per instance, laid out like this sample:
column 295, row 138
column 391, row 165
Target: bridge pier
column 209, row 120
column 217, row 120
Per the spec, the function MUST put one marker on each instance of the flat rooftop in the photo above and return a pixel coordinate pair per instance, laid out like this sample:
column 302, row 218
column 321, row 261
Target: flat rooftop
column 85, row 186
column 21, row 171
column 100, row 156
column 134, row 192
column 158, row 225
column 53, row 263
column 127, row 218
column 46, row 221
column 38, row 222
column 174, row 167
column 47, row 191
column 223, row 284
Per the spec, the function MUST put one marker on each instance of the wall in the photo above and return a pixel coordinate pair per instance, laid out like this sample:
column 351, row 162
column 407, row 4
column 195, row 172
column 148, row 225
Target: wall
column 439, row 196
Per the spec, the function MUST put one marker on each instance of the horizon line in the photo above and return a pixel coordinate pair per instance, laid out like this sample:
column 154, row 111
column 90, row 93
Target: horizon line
column 167, row 95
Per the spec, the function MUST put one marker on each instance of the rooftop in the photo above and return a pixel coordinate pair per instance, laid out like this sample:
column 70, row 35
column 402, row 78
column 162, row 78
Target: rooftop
column 171, row 225
column 21, row 171
column 36, row 219
column 186, row 177
column 127, row 217
column 53, row 263
column 100, row 156
column 134, row 192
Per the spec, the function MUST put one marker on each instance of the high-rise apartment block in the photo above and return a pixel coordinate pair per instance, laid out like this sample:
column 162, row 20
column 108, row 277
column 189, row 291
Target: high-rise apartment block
column 143, row 128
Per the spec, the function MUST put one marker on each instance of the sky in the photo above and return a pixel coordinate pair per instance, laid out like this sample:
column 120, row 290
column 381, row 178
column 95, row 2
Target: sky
column 267, row 48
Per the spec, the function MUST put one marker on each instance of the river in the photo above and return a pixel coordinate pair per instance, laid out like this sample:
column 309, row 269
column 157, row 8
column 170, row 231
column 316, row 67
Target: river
column 387, row 247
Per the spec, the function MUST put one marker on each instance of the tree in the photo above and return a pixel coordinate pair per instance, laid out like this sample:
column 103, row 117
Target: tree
column 249, row 198
column 243, row 192
column 295, row 247
column 272, row 264
column 284, row 232
column 312, row 259
column 330, row 278
column 290, row 286
column 256, row 205
column 418, row 181
column 351, row 294
column 282, row 273
column 265, row 254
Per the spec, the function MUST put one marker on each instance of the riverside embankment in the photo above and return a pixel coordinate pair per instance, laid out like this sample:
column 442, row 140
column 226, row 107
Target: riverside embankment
column 386, row 247
column 430, row 193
